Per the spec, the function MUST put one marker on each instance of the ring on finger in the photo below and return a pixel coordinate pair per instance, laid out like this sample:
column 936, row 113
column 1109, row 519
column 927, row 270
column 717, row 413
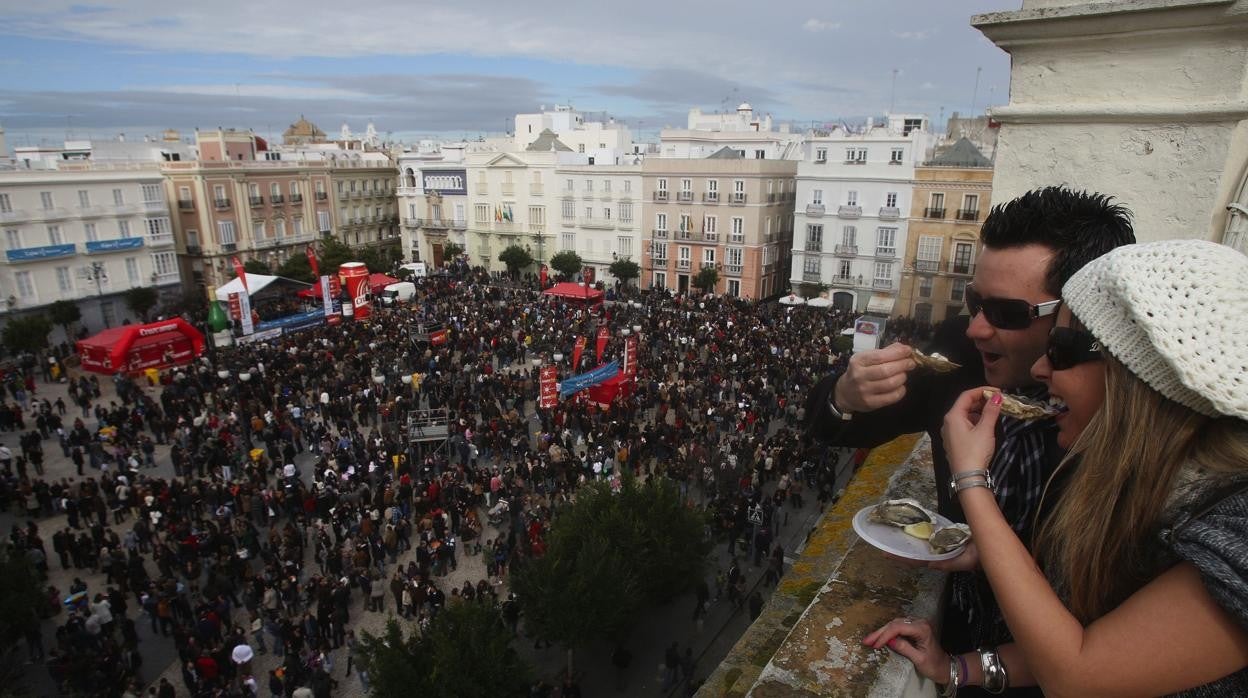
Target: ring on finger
column 907, row 620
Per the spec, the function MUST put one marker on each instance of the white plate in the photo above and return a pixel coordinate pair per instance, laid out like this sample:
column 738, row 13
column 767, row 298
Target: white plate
column 893, row 540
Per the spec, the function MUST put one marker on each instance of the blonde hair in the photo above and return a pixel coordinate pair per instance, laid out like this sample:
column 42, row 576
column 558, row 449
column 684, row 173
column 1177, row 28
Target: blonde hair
column 1095, row 547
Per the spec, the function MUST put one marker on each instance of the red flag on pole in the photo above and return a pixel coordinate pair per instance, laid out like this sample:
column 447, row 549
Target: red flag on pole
column 577, row 350
column 603, row 335
column 316, row 267
column 240, row 272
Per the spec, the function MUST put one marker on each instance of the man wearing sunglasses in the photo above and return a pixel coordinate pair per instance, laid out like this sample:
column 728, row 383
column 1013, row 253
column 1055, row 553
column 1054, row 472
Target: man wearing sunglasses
column 1030, row 246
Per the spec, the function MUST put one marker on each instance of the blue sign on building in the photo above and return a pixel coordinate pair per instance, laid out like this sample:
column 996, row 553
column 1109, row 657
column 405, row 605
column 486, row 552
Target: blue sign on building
column 30, row 254
column 114, row 245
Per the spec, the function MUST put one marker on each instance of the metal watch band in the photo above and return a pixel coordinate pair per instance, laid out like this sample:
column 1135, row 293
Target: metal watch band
column 995, row 678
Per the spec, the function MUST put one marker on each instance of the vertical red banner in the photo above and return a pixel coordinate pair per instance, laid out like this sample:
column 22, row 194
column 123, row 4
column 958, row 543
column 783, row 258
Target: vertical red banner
column 630, row 356
column 548, row 388
column 603, row 335
column 240, row 273
column 577, row 350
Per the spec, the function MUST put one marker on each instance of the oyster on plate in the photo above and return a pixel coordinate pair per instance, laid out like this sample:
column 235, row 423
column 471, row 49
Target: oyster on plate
column 899, row 513
column 949, row 538
column 934, row 362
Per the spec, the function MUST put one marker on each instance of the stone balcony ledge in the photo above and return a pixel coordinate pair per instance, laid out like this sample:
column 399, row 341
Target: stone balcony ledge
column 808, row 640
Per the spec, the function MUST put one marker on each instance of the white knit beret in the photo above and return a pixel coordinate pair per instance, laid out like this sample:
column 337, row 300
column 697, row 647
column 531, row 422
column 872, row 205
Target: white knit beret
column 1175, row 313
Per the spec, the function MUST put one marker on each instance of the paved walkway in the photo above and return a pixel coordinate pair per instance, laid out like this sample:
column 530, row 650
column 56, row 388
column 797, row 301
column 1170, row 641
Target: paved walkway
column 710, row 638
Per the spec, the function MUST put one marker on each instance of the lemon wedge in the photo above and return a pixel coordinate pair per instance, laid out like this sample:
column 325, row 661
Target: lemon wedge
column 921, row 530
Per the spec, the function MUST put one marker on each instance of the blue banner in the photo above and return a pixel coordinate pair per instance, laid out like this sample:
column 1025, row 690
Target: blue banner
column 576, row 384
column 294, row 323
column 28, row 254
column 114, row 245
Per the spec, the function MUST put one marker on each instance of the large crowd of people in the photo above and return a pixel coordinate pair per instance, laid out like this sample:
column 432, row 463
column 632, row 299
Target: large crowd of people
column 241, row 553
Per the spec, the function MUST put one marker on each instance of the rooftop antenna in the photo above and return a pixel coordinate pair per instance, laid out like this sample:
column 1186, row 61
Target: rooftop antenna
column 892, row 98
column 975, row 94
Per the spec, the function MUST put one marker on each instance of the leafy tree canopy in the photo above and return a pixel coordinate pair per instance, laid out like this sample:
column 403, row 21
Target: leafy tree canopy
column 707, row 279
column 516, row 258
column 625, row 270
column 567, row 262
column 26, row 334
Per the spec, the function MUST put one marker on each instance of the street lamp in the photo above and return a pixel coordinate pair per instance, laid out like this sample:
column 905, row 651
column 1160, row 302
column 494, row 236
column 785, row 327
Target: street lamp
column 98, row 273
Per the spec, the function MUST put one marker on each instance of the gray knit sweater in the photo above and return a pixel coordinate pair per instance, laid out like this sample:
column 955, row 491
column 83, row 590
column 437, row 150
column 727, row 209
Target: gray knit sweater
column 1215, row 541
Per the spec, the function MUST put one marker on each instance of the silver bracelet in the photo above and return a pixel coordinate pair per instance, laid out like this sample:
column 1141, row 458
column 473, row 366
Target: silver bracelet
column 995, row 678
column 958, row 477
column 957, row 485
column 955, row 679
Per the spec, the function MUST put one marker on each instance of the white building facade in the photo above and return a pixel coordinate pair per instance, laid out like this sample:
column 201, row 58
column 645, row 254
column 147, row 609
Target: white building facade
column 599, row 214
column 433, row 202
column 605, row 142
column 751, row 136
column 87, row 233
column 851, row 214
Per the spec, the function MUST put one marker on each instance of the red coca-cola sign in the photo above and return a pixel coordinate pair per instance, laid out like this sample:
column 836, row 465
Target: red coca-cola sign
column 354, row 277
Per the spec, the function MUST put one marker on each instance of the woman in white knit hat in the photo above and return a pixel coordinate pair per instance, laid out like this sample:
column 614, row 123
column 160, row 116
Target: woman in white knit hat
column 1140, row 581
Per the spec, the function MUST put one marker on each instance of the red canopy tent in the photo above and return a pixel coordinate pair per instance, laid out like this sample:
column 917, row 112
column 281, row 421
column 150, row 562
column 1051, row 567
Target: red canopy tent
column 574, row 291
column 132, row 348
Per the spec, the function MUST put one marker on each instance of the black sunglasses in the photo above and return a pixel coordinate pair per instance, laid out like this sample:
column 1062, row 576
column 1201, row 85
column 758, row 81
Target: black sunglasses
column 1007, row 313
column 1069, row 347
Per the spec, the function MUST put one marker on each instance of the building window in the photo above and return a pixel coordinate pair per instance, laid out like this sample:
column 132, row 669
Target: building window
column 628, row 186
column 589, row 185
column 25, row 285
column 738, row 230
column 710, row 225
column 589, row 213
column 885, row 241
column 537, row 216
column 936, row 205
column 810, row 264
column 963, row 253
column 683, row 256
column 856, row 156
column 119, row 198
column 760, row 154
column 660, row 279
column 151, row 194
column 733, row 256
column 849, row 236
column 928, row 256
column 165, row 263
column 686, row 186
column 624, row 246
column 734, row 288
column 970, row 207
column 816, row 197
column 322, row 221
column 890, row 199
column 851, row 198
column 925, row 287
column 658, row 250
column 12, row 239
column 6, row 206
column 569, row 210
column 821, row 154
column 226, row 233
column 481, row 212
column 738, row 187
column 957, row 291
column 814, row 237
column 84, row 198
column 157, row 227
column 626, row 212
column 708, row 256
column 132, row 270
column 842, row 271
column 895, row 156
column 64, row 281
column 296, row 226
column 279, row 228
column 45, row 199
column 662, row 184
column 883, row 271
column 123, row 229
column 54, row 235
column 606, row 213
column 88, row 232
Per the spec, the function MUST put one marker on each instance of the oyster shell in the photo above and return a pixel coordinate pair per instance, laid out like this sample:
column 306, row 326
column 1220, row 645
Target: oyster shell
column 1022, row 408
column 933, row 362
column 949, row 538
column 899, row 513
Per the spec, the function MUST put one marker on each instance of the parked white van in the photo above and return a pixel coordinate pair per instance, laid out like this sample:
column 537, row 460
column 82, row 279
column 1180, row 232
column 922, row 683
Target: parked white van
column 402, row 292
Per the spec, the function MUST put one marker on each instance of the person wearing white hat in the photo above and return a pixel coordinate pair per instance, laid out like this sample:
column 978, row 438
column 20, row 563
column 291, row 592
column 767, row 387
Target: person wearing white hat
column 1140, row 581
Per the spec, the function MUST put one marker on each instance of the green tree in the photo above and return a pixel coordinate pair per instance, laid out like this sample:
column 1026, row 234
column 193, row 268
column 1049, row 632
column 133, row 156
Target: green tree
column 450, row 251
column 625, row 270
column 516, row 258
column 65, row 313
column 810, row 290
column 567, row 263
column 21, row 602
column 296, row 267
column 26, row 334
column 141, row 299
column 255, row 266
column 334, row 253
column 609, row 557
column 707, row 279
column 465, row 652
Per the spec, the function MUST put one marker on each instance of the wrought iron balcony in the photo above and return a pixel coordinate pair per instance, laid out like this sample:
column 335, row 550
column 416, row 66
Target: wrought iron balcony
column 933, row 213
column 968, row 215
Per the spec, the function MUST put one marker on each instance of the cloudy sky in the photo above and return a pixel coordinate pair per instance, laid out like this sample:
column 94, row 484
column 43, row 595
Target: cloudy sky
column 463, row 68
